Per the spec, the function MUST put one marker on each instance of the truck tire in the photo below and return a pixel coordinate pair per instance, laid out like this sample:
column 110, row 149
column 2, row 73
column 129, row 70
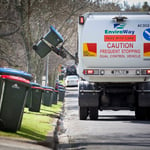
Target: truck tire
column 148, row 113
column 140, row 113
column 93, row 113
column 83, row 113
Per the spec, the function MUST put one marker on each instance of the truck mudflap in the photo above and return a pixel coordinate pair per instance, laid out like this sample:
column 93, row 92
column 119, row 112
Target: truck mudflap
column 89, row 98
column 88, row 95
column 143, row 93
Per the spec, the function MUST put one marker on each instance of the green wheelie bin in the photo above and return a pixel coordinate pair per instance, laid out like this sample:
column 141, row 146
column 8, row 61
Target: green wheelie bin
column 13, row 95
column 47, row 96
column 36, row 97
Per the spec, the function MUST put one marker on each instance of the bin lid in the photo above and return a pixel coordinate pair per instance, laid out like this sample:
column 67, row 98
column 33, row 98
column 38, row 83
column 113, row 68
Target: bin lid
column 61, row 87
column 15, row 78
column 15, row 72
column 62, row 90
column 49, row 88
column 58, row 34
column 37, row 87
column 35, row 84
column 56, row 91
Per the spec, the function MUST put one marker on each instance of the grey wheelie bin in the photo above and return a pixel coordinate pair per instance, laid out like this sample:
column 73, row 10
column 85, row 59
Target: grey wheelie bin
column 13, row 95
column 59, row 86
column 55, row 96
column 36, row 97
column 53, row 37
column 47, row 96
column 29, row 96
column 41, row 48
column 61, row 94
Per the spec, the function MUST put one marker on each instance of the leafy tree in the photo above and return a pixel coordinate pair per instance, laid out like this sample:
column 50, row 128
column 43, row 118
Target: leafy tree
column 24, row 22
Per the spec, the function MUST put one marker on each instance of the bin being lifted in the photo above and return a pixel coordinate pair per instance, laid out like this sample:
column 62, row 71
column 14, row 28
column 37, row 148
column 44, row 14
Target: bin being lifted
column 48, row 42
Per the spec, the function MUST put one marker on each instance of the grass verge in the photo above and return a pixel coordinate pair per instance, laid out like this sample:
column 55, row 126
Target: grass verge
column 36, row 125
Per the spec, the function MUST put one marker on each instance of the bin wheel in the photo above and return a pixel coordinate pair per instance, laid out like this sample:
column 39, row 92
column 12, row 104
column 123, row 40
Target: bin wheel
column 83, row 113
column 93, row 113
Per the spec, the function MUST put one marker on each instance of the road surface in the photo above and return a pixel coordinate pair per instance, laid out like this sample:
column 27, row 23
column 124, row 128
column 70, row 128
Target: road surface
column 113, row 130
column 14, row 144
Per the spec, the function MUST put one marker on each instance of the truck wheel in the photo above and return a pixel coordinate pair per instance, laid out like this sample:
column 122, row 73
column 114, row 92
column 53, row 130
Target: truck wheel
column 83, row 113
column 140, row 113
column 93, row 113
column 148, row 113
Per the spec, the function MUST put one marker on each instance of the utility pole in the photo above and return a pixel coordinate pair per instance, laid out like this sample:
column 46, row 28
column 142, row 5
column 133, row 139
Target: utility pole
column 47, row 70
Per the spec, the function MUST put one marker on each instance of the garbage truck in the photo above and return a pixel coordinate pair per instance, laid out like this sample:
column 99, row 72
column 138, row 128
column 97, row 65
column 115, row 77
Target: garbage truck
column 114, row 63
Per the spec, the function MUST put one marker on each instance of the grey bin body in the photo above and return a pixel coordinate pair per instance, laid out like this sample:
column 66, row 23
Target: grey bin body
column 36, row 97
column 13, row 94
column 42, row 49
column 29, row 96
column 55, row 97
column 53, row 37
column 47, row 99
column 61, row 94
column 1, row 83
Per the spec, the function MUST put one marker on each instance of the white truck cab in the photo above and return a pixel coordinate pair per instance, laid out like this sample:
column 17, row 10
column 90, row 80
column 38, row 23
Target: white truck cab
column 114, row 59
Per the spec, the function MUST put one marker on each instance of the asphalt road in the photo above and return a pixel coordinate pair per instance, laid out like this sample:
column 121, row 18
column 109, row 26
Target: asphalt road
column 113, row 130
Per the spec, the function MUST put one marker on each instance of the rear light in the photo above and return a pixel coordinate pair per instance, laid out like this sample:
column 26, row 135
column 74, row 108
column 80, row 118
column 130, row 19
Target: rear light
column 81, row 19
column 145, row 71
column 90, row 71
column 148, row 72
